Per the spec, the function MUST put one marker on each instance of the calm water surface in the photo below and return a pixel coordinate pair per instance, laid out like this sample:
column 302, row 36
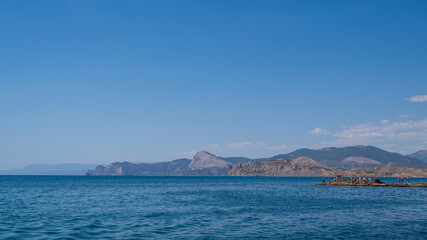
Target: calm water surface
column 79, row 207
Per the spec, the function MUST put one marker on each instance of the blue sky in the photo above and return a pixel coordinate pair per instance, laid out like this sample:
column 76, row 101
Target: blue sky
column 149, row 81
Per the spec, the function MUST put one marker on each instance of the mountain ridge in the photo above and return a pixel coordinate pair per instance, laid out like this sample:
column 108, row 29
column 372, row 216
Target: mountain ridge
column 421, row 155
column 353, row 157
column 51, row 169
column 207, row 164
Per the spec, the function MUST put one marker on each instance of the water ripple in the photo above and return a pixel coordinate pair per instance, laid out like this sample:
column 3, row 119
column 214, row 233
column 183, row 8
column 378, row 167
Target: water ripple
column 48, row 207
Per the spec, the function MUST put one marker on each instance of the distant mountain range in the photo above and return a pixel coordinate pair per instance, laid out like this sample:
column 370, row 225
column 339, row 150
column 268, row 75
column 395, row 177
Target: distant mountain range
column 202, row 164
column 51, row 169
column 421, row 155
column 356, row 157
column 207, row 164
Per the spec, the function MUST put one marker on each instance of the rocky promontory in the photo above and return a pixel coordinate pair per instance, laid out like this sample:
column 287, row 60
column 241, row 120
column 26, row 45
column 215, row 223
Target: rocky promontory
column 369, row 183
column 302, row 166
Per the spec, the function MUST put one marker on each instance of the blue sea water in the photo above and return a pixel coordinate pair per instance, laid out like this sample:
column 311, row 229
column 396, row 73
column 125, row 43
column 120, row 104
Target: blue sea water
column 83, row 207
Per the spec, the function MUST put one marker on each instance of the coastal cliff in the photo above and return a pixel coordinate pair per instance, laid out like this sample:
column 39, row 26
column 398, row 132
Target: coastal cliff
column 302, row 166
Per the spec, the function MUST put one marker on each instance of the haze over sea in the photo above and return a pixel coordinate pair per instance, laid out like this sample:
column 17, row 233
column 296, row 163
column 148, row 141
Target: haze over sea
column 206, row 208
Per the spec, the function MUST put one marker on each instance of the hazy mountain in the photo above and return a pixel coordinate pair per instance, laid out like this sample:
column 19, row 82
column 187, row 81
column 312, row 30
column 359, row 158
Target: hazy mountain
column 202, row 164
column 175, row 167
column 302, row 166
column 421, row 155
column 51, row 169
column 206, row 164
column 355, row 157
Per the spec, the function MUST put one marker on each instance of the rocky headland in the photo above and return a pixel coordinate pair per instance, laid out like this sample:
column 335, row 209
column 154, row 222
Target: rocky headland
column 205, row 159
column 302, row 166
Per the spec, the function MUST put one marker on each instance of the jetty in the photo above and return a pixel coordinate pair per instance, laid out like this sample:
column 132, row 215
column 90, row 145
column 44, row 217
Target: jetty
column 373, row 183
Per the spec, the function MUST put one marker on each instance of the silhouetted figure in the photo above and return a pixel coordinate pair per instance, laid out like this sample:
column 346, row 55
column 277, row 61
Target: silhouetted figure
column 407, row 178
column 323, row 180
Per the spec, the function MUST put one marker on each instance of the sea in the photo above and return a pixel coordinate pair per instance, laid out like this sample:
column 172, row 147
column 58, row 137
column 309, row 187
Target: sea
column 122, row 207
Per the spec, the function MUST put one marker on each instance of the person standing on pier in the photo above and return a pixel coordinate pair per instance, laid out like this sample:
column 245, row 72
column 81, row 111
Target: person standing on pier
column 407, row 178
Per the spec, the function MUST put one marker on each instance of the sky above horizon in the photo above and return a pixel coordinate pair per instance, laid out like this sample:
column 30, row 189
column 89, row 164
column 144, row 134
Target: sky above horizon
column 150, row 81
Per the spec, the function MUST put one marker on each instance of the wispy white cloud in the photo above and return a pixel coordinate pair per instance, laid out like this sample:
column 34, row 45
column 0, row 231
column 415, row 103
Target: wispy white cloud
column 318, row 131
column 286, row 147
column 413, row 148
column 322, row 144
column 385, row 131
column 278, row 147
column 248, row 144
column 214, row 146
column 391, row 145
column 417, row 98
column 188, row 154
column 238, row 145
column 403, row 116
